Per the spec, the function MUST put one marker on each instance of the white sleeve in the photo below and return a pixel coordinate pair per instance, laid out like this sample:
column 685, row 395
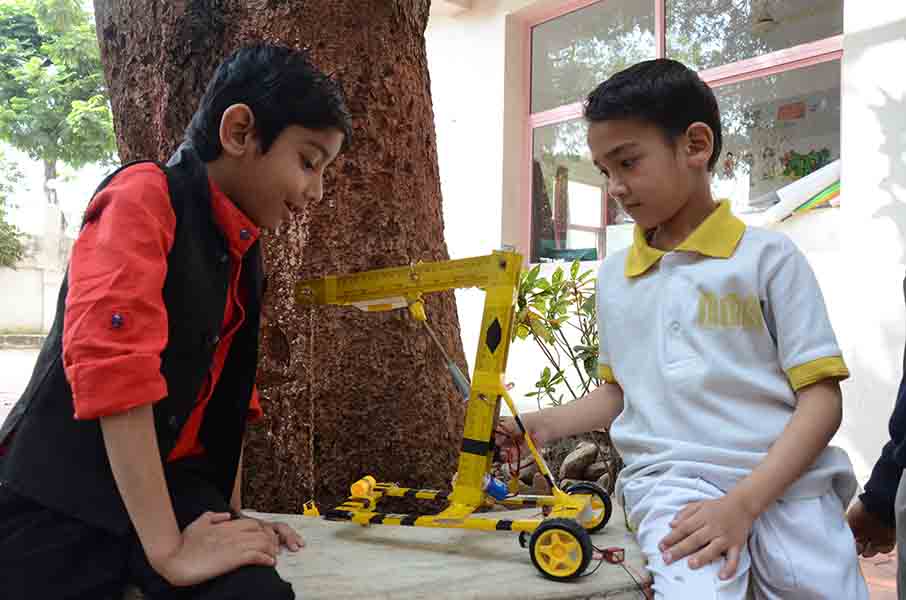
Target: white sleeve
column 797, row 318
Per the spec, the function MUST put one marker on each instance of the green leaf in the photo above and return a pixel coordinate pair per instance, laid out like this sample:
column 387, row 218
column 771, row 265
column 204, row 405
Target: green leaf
column 574, row 270
column 546, row 374
column 541, row 328
column 557, row 277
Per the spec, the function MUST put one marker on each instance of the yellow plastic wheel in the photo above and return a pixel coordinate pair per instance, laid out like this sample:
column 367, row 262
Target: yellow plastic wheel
column 601, row 505
column 560, row 549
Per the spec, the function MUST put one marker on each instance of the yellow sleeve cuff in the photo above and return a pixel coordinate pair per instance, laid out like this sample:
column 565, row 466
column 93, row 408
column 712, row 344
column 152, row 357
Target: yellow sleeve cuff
column 605, row 373
column 829, row 367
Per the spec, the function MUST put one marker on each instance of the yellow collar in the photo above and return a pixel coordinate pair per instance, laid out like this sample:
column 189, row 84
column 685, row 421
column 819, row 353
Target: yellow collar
column 717, row 236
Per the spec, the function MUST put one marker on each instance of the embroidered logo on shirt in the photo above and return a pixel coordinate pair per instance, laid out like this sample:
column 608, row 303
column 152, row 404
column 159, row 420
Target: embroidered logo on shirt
column 729, row 311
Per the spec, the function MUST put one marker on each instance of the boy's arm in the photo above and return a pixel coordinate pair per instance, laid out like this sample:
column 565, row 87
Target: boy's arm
column 595, row 410
column 236, row 496
column 210, row 546
column 819, row 411
column 134, row 459
column 711, row 529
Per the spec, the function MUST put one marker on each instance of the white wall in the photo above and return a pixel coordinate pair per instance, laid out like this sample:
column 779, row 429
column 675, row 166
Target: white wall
column 477, row 74
column 28, row 293
column 19, row 312
column 864, row 280
column 466, row 62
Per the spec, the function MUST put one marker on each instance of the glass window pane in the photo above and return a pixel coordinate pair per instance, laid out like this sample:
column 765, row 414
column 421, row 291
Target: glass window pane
column 579, row 238
column 709, row 33
column 572, row 54
column 776, row 129
column 584, row 204
column 564, row 185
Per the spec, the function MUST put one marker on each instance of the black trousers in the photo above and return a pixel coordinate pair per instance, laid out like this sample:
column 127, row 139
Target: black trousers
column 45, row 555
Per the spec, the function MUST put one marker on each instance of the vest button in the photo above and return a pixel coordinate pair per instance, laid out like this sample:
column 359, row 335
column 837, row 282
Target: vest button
column 244, row 234
column 173, row 422
column 224, row 258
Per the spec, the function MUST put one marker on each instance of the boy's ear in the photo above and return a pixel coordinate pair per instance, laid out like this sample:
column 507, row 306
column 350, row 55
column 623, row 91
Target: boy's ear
column 237, row 130
column 699, row 144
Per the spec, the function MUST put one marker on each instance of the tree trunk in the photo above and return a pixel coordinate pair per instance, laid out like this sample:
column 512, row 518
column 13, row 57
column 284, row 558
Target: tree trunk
column 345, row 394
column 50, row 174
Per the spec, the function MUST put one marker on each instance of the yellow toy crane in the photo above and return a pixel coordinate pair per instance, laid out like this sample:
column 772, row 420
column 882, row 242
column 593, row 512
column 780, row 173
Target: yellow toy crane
column 559, row 544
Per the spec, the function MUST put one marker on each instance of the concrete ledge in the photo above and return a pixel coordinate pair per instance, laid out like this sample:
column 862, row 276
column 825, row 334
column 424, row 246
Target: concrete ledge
column 348, row 561
column 21, row 340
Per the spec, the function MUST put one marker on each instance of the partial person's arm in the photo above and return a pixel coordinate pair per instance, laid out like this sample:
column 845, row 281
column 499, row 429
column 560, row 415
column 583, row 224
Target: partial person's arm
column 595, row 410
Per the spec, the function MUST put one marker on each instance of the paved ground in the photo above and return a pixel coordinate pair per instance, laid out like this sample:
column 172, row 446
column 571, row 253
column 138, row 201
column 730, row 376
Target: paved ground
column 348, row 561
column 15, row 371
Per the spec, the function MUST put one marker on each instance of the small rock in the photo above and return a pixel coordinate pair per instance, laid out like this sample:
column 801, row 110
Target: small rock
column 595, row 470
column 604, row 482
column 540, row 485
column 577, row 461
column 527, row 472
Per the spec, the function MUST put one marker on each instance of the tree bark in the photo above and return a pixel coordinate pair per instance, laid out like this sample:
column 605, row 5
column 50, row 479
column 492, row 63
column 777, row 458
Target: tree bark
column 50, row 173
column 345, row 394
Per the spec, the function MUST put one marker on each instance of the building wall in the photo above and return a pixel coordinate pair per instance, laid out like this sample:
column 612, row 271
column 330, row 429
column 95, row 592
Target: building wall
column 478, row 85
column 28, row 293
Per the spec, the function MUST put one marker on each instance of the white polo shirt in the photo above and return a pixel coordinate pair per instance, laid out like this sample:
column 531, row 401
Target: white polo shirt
column 709, row 343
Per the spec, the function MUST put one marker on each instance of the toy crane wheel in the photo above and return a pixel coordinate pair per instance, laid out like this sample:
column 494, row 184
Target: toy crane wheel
column 560, row 549
column 601, row 505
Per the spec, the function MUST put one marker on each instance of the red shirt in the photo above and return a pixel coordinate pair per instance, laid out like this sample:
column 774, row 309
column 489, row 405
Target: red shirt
column 115, row 324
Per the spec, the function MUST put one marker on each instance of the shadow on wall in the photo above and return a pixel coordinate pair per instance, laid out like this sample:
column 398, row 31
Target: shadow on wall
column 894, row 146
column 877, row 359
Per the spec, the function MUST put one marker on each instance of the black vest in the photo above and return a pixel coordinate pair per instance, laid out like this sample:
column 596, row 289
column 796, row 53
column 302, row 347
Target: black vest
column 61, row 462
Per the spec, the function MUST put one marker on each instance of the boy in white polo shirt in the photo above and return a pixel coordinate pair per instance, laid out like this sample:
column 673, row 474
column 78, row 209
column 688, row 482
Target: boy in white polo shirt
column 720, row 365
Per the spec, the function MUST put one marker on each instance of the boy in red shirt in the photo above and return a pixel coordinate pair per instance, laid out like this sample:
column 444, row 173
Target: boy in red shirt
column 122, row 460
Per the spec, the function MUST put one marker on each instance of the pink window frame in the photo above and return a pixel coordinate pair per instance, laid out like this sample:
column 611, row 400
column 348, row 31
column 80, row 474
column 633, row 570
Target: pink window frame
column 788, row 59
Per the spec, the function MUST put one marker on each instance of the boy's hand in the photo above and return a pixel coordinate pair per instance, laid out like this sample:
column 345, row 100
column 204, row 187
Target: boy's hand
column 709, row 529
column 872, row 535
column 508, row 434
column 215, row 544
column 286, row 536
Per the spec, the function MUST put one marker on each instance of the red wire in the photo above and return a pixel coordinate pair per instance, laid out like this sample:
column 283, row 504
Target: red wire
column 514, row 470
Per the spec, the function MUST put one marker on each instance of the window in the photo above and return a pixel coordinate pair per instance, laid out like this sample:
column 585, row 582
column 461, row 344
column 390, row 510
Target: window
column 775, row 69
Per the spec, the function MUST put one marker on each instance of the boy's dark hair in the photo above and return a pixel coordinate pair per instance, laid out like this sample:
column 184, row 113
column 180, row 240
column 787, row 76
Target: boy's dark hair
column 662, row 92
column 280, row 85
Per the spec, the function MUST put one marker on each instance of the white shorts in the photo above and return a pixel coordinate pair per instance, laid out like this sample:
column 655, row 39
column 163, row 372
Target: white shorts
column 797, row 550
